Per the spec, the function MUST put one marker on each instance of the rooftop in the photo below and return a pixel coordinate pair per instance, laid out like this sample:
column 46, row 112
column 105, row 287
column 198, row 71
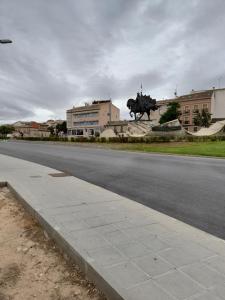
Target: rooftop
column 192, row 96
column 94, row 105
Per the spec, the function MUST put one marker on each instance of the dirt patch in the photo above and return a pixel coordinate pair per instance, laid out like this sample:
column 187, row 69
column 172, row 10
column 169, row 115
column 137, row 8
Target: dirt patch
column 31, row 267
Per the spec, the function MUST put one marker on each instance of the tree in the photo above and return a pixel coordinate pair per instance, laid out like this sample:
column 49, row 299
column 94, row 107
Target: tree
column 206, row 118
column 202, row 119
column 171, row 114
column 61, row 127
column 6, row 129
column 52, row 130
column 198, row 119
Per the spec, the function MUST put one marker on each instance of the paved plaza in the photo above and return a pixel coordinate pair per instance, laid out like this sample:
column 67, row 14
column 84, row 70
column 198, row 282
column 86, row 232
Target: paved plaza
column 129, row 250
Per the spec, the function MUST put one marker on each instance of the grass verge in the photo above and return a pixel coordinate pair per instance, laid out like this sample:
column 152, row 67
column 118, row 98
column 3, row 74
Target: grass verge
column 211, row 148
column 216, row 149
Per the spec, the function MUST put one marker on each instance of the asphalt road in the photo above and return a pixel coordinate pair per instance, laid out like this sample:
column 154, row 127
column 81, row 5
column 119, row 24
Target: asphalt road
column 190, row 189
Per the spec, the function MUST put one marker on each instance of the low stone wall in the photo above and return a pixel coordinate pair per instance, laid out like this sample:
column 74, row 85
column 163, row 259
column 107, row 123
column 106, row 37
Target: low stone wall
column 180, row 132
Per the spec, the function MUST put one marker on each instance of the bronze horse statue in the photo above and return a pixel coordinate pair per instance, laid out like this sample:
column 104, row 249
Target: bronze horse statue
column 142, row 104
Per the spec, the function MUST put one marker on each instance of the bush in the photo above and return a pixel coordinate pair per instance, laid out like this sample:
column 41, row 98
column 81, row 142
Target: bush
column 190, row 138
column 81, row 139
column 132, row 139
column 166, row 128
column 92, row 139
column 146, row 139
column 123, row 139
column 102, row 140
column 113, row 139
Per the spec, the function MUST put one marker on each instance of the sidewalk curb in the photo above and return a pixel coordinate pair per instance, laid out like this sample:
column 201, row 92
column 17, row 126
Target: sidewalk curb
column 67, row 249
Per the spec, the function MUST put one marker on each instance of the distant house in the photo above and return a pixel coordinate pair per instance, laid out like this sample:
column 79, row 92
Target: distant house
column 212, row 101
column 53, row 123
column 30, row 129
column 90, row 119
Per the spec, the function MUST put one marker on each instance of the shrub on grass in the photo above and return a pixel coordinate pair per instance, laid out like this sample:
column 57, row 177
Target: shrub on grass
column 92, row 139
column 102, row 140
column 81, row 139
column 123, row 139
column 113, row 140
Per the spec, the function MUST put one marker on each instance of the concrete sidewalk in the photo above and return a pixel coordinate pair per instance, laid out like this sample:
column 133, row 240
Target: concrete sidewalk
column 129, row 251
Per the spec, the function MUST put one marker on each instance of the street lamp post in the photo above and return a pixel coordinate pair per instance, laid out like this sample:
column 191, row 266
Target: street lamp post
column 5, row 41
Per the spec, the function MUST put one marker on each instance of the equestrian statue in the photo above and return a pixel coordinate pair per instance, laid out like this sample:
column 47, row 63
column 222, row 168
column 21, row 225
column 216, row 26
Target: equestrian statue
column 142, row 104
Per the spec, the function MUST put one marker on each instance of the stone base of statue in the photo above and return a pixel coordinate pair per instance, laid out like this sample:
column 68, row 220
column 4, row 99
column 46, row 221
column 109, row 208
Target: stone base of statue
column 128, row 128
column 142, row 128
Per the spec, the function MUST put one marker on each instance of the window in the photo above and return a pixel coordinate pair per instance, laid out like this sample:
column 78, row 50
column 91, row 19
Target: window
column 205, row 106
column 186, row 109
column 186, row 120
column 77, row 132
column 195, row 129
column 195, row 110
column 85, row 123
column 91, row 132
column 86, row 115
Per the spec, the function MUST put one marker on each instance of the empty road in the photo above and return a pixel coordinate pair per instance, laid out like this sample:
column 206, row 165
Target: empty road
column 190, row 189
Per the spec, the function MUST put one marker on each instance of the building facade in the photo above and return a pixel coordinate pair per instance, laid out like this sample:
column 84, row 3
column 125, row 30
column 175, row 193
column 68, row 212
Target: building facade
column 31, row 129
column 212, row 101
column 90, row 120
column 53, row 123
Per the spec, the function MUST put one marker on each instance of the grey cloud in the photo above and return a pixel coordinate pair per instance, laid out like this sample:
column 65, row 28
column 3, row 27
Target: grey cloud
column 111, row 87
column 13, row 111
column 68, row 52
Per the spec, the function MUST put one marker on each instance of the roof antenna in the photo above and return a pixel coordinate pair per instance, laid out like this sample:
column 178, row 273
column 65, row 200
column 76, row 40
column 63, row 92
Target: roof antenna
column 175, row 92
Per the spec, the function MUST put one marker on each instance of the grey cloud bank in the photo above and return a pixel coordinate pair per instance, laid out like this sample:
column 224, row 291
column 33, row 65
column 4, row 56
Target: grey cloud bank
column 67, row 52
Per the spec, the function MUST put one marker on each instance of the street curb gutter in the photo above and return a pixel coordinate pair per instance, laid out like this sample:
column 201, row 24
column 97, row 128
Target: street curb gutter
column 65, row 248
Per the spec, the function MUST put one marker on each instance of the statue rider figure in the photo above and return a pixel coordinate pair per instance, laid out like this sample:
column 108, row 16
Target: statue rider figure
column 141, row 105
column 139, row 101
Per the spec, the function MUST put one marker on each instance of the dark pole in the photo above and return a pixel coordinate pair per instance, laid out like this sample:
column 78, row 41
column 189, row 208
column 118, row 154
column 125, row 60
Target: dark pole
column 5, row 41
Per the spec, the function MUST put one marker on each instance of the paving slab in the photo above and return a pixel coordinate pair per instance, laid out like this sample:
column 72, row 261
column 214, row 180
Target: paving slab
column 130, row 251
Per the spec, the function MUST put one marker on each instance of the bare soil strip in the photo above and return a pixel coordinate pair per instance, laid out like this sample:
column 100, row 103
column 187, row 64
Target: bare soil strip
column 31, row 267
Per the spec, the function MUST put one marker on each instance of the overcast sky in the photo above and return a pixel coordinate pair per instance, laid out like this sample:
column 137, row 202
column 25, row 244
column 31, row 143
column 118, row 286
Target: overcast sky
column 67, row 52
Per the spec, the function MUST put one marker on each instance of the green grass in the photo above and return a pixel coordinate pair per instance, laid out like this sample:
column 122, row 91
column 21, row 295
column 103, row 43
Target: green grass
column 200, row 148
column 216, row 149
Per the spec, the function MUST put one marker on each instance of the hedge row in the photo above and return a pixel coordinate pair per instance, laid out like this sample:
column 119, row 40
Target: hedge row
column 149, row 139
column 166, row 129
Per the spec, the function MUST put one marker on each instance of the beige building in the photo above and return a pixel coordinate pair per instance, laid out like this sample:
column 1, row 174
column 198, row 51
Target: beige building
column 31, row 129
column 53, row 123
column 91, row 119
column 211, row 100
